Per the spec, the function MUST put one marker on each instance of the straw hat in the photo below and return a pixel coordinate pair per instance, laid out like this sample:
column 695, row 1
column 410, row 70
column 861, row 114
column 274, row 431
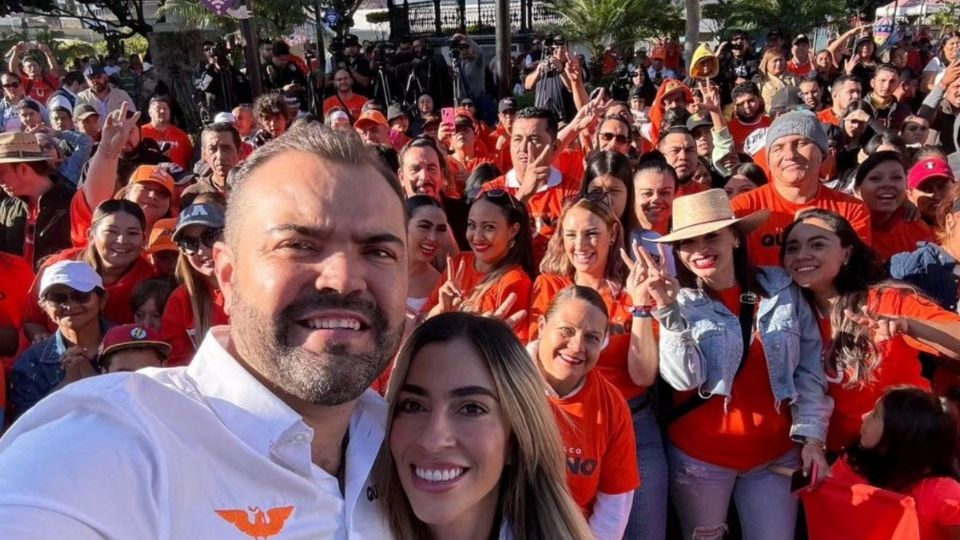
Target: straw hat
column 706, row 212
column 20, row 147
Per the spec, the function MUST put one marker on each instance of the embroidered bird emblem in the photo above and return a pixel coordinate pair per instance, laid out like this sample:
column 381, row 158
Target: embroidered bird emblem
column 264, row 524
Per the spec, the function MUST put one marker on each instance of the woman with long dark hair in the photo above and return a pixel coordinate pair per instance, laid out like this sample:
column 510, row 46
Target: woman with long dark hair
column 610, row 174
column 873, row 329
column 933, row 71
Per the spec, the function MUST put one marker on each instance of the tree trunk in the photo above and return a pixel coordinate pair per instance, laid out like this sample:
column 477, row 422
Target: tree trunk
column 693, row 30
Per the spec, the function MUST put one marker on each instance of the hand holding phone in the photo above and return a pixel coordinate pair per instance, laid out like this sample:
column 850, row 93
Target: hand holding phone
column 448, row 117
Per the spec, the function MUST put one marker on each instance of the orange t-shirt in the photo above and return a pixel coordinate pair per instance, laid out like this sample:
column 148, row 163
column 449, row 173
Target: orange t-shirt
column 690, row 188
column 464, row 169
column 740, row 131
column 751, row 432
column 514, row 280
column 181, row 149
column 117, row 310
column 571, row 162
column 827, row 116
column 178, row 329
column 354, row 105
column 763, row 244
column 614, row 357
column 81, row 216
column 597, row 434
column 899, row 362
column 899, row 235
column 937, row 500
column 544, row 208
column 17, row 277
column 800, row 70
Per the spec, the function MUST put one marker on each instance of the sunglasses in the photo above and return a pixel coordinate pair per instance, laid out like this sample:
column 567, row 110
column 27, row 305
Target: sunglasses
column 11, row 85
column 208, row 238
column 499, row 195
column 597, row 196
column 606, row 136
column 62, row 298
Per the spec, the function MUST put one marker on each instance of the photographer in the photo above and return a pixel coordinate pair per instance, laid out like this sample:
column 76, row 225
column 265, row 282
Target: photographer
column 468, row 58
column 219, row 84
column 37, row 84
column 346, row 55
column 550, row 81
column 283, row 75
column 737, row 63
column 425, row 74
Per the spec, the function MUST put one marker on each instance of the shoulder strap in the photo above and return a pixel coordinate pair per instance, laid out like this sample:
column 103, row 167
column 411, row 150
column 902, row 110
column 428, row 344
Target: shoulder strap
column 748, row 304
column 345, row 108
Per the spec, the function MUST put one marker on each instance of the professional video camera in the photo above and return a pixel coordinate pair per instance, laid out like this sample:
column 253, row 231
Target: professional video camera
column 384, row 53
column 551, row 43
column 457, row 47
column 620, row 86
column 337, row 51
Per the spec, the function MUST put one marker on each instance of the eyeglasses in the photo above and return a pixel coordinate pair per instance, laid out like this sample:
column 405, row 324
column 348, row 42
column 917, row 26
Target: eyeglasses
column 11, row 85
column 208, row 238
column 62, row 298
column 606, row 136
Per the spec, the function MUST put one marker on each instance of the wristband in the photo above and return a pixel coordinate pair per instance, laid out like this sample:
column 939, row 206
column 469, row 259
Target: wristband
column 642, row 312
column 809, row 441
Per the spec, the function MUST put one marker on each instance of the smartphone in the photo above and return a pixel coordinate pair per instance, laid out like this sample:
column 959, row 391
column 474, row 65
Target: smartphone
column 800, row 482
column 448, row 117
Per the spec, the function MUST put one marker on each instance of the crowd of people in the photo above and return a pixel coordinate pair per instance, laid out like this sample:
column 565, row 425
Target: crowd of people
column 638, row 316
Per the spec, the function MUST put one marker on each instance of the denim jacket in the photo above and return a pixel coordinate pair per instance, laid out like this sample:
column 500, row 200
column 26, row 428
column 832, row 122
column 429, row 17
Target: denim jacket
column 932, row 270
column 701, row 346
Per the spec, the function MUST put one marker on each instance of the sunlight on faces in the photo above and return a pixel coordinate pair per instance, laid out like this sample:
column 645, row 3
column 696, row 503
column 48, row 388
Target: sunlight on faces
column 737, row 185
column 425, row 231
column 489, row 233
column 118, row 238
column 814, row 255
column 71, row 314
column 654, row 192
column 220, row 152
column 586, row 241
column 928, row 195
column 200, row 259
column 534, row 132
column 884, row 188
column 317, row 281
column 450, row 438
column 614, row 189
column 709, row 257
column 420, row 172
column 795, row 161
column 681, row 153
column 151, row 197
column 148, row 314
column 571, row 341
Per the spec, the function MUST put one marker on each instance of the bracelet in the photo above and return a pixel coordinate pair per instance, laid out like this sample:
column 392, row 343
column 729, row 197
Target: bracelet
column 643, row 312
column 810, row 441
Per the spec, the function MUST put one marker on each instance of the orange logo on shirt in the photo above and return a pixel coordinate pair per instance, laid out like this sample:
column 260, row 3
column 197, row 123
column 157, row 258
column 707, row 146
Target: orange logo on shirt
column 264, row 525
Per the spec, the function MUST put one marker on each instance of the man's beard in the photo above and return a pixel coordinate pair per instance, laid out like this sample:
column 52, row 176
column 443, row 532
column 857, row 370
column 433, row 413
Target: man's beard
column 749, row 119
column 332, row 377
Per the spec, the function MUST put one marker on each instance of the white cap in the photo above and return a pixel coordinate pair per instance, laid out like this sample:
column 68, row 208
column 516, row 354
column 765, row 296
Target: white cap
column 229, row 118
column 339, row 115
column 77, row 275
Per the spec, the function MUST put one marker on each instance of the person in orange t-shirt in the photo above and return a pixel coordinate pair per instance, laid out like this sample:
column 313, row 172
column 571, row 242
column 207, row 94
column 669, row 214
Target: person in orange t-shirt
column 801, row 64
column 197, row 305
column 466, row 155
column 593, row 418
column 498, row 268
column 17, row 277
column 533, row 181
column 116, row 251
column 796, row 144
column 586, row 251
column 744, row 396
column 176, row 141
column 881, row 183
column 345, row 98
column 844, row 91
column 680, row 149
column 881, row 326
column 748, row 113
column 908, row 445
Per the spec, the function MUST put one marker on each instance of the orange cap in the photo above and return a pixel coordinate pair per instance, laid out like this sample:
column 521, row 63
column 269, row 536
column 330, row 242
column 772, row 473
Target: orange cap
column 658, row 53
column 155, row 174
column 463, row 112
column 371, row 116
column 161, row 236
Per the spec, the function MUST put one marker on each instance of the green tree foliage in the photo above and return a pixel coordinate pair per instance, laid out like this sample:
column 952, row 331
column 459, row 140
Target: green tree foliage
column 789, row 17
column 601, row 23
column 129, row 14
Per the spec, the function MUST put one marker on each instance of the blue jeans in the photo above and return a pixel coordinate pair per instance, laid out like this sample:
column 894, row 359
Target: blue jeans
column 648, row 516
column 701, row 493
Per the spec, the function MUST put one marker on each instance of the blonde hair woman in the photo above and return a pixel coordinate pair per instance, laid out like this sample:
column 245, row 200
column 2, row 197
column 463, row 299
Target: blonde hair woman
column 472, row 448
column 773, row 75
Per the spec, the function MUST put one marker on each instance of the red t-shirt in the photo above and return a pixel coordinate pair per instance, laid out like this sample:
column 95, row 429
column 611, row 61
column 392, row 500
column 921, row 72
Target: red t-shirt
column 750, row 432
column 899, row 362
column 614, row 357
column 181, row 149
column 740, row 131
column 177, row 326
column 571, row 162
column 800, row 70
column 354, row 105
column 40, row 89
column 544, row 207
column 937, row 499
column 14, row 286
column 514, row 280
column 899, row 235
column 81, row 216
column 117, row 310
column 690, row 188
column 763, row 244
column 827, row 116
column 597, row 433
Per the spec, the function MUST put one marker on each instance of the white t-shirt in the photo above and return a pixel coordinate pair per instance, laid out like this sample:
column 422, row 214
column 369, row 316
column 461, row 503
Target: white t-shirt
column 935, row 65
column 204, row 451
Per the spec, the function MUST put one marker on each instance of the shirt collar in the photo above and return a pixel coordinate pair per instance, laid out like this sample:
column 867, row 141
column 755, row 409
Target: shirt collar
column 555, row 179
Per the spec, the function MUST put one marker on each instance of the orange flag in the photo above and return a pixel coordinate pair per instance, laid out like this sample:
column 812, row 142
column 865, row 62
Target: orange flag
column 838, row 510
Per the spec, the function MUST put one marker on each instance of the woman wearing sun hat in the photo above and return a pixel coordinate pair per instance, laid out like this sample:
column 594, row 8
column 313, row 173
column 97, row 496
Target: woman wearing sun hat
column 740, row 348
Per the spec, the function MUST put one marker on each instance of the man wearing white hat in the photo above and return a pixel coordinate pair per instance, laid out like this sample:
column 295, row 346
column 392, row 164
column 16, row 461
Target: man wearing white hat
column 796, row 145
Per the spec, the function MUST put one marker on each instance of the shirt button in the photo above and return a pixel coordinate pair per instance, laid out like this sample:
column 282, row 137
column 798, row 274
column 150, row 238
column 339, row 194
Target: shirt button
column 300, row 438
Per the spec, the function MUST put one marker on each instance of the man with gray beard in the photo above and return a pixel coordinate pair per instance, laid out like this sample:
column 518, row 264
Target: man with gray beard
column 272, row 428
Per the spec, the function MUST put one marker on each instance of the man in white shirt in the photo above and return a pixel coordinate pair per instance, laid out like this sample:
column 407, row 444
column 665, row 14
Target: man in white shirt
column 271, row 431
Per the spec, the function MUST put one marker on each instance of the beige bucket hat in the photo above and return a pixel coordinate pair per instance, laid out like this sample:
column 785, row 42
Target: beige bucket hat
column 706, row 212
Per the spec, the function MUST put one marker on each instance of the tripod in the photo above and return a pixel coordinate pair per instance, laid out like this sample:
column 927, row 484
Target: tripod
column 382, row 84
column 458, row 83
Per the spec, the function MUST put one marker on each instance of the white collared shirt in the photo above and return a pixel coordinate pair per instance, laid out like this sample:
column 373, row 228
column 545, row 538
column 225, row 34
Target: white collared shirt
column 199, row 452
column 555, row 179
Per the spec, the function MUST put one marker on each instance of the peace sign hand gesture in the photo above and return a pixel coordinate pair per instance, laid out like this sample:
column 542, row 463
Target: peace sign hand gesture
column 883, row 327
column 536, row 173
column 649, row 279
column 711, row 97
column 116, row 130
column 451, row 292
column 501, row 312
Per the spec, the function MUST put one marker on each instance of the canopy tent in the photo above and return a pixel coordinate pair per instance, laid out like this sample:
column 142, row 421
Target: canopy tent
column 913, row 8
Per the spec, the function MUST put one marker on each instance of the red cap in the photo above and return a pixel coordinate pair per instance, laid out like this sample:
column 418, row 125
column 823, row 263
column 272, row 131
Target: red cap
column 371, row 117
column 928, row 169
column 658, row 53
column 130, row 336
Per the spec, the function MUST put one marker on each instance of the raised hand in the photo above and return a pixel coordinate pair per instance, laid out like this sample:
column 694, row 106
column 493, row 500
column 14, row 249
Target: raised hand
column 711, row 97
column 650, row 279
column 116, row 130
column 536, row 173
column 851, row 63
column 451, row 292
column 501, row 312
